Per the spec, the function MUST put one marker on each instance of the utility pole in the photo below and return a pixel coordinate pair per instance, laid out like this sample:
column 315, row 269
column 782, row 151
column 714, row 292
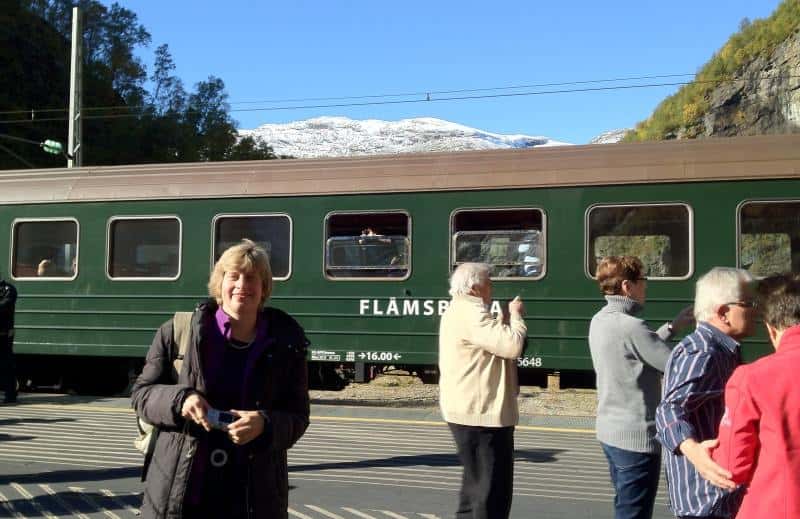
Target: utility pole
column 74, row 152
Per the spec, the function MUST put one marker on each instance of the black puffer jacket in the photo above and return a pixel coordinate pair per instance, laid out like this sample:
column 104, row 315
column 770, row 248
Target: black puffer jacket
column 279, row 386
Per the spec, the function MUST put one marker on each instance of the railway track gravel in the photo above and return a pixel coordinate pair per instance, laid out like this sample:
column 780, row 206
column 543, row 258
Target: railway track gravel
column 406, row 391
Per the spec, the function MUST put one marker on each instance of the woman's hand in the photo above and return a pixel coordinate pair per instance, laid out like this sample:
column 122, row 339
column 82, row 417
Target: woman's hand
column 684, row 319
column 699, row 454
column 247, row 428
column 195, row 408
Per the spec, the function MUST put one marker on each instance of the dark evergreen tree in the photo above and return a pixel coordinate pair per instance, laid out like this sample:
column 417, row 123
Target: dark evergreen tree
column 123, row 124
column 249, row 148
column 207, row 113
column 34, row 75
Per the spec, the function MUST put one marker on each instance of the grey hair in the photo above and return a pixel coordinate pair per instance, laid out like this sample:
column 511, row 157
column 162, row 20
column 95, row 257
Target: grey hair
column 466, row 276
column 718, row 286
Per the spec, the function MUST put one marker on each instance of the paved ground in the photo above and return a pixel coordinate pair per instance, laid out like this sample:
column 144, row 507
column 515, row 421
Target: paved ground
column 72, row 457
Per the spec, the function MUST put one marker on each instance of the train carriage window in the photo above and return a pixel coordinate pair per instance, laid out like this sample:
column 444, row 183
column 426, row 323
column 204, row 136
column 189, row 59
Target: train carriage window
column 769, row 237
column 273, row 232
column 658, row 234
column 45, row 248
column 511, row 241
column 368, row 245
column 144, row 247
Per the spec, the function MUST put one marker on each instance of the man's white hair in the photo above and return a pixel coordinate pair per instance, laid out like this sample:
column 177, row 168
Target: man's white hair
column 466, row 276
column 718, row 286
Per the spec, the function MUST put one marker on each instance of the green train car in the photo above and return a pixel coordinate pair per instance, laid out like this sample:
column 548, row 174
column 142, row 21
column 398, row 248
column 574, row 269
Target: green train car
column 362, row 248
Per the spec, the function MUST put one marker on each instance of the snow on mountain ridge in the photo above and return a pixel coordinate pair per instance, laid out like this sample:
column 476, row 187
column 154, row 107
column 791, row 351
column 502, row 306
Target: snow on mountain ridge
column 610, row 137
column 340, row 136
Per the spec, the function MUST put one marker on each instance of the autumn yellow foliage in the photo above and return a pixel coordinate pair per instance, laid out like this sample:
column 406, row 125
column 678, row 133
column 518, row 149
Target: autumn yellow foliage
column 685, row 109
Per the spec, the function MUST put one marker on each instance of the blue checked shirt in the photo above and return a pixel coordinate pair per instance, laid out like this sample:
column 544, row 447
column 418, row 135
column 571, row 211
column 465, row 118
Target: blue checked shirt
column 692, row 405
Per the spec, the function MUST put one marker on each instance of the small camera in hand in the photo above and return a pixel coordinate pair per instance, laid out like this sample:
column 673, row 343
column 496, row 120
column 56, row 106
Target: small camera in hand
column 220, row 419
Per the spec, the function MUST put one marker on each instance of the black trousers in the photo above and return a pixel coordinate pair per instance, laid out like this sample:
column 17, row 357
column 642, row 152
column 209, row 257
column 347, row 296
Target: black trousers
column 8, row 380
column 487, row 483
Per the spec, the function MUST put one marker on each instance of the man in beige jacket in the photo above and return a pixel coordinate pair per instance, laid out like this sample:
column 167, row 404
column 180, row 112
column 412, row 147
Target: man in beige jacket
column 478, row 390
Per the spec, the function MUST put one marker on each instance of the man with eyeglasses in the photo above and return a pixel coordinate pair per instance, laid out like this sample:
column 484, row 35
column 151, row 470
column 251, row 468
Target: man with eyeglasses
column 692, row 398
column 759, row 430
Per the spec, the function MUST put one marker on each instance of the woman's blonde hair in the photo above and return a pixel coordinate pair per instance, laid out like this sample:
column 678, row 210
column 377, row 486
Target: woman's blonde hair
column 247, row 257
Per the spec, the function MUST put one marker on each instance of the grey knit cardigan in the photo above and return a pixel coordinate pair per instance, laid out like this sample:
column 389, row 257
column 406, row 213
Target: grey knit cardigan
column 629, row 360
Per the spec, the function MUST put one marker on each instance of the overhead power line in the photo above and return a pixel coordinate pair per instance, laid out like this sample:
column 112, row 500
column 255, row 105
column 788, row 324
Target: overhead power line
column 464, row 90
column 428, row 98
column 18, row 139
column 17, row 156
column 48, row 145
column 369, row 96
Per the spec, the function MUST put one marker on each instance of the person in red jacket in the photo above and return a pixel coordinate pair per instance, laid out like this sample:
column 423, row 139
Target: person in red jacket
column 759, row 434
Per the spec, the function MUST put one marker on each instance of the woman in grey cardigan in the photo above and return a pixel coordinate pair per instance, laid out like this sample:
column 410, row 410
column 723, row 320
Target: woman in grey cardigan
column 629, row 360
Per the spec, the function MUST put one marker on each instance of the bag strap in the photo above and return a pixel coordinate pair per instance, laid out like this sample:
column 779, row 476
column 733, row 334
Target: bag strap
column 181, row 334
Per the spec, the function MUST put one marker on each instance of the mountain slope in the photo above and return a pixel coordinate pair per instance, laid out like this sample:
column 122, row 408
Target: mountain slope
column 610, row 137
column 340, row 136
column 750, row 86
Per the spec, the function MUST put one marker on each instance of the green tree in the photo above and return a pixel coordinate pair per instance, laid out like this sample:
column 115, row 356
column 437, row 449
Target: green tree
column 207, row 114
column 684, row 110
column 124, row 123
column 168, row 95
column 34, row 75
column 121, row 33
column 249, row 148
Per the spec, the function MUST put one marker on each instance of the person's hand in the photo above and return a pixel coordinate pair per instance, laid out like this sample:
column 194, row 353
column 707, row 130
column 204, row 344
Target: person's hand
column 699, row 454
column 195, row 408
column 515, row 307
column 247, row 428
column 501, row 315
column 684, row 319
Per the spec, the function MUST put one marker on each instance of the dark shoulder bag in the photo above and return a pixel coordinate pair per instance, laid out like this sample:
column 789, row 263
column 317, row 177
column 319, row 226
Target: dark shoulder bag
column 145, row 441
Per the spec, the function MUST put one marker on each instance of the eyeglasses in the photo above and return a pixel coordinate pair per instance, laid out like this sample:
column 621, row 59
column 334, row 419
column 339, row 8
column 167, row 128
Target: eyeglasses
column 743, row 304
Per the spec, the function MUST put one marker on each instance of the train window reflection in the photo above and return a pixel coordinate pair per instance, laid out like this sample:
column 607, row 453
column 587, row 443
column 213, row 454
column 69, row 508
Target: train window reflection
column 368, row 245
column 273, row 232
column 144, row 247
column 769, row 237
column 658, row 234
column 511, row 241
column 45, row 249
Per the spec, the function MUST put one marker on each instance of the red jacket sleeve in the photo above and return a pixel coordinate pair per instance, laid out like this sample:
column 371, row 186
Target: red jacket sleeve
column 738, row 430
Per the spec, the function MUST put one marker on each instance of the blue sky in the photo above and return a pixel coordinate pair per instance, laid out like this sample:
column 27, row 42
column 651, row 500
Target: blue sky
column 296, row 49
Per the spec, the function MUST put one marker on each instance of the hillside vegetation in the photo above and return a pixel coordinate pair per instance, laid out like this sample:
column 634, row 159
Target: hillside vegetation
column 681, row 115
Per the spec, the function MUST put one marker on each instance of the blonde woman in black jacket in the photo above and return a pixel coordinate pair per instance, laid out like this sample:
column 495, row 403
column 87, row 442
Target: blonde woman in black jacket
column 244, row 359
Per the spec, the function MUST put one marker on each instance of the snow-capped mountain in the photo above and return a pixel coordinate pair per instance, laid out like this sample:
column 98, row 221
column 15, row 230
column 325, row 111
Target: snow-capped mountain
column 610, row 137
column 340, row 136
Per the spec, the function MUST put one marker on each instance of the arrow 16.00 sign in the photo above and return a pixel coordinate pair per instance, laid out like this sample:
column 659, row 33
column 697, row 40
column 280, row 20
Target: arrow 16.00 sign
column 379, row 355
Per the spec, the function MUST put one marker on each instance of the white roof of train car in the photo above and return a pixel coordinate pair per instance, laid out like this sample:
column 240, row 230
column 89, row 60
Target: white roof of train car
column 667, row 161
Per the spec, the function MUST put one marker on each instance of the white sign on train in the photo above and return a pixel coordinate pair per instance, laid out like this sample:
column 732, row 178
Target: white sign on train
column 325, row 355
column 529, row 362
column 393, row 307
column 379, row 355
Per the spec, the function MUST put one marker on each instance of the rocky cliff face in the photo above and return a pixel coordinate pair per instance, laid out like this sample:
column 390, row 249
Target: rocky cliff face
column 764, row 98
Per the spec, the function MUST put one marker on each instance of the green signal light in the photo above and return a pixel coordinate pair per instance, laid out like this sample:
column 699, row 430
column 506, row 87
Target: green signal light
column 54, row 147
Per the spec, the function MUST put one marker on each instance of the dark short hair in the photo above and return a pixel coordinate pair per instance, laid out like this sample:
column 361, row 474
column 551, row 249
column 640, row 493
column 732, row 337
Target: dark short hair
column 779, row 296
column 613, row 270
